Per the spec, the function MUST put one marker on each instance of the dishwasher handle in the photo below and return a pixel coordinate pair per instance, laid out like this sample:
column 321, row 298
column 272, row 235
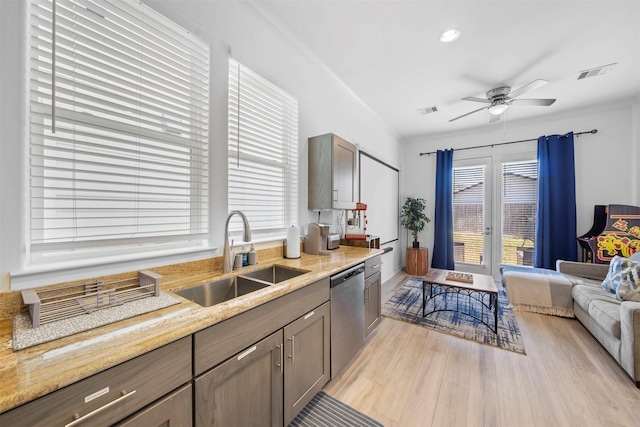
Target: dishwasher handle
column 347, row 275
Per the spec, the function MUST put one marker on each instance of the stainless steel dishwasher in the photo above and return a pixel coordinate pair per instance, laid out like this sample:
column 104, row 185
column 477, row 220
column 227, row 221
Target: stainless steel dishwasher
column 347, row 316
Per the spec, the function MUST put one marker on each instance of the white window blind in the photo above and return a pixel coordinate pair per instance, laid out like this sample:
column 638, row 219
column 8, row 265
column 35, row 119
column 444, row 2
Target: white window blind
column 263, row 152
column 119, row 130
column 468, row 214
column 519, row 203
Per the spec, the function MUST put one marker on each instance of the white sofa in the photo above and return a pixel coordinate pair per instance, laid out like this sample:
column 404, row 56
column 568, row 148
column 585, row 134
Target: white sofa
column 575, row 290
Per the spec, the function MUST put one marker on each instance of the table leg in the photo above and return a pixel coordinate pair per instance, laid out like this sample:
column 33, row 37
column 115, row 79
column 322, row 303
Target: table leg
column 495, row 312
column 424, row 285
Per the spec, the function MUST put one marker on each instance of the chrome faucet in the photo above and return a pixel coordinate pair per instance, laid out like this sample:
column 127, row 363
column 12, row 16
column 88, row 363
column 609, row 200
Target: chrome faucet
column 227, row 259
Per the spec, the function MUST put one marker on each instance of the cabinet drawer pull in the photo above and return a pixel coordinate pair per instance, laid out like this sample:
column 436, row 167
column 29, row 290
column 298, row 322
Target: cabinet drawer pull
column 79, row 419
column 309, row 315
column 246, row 353
column 375, row 266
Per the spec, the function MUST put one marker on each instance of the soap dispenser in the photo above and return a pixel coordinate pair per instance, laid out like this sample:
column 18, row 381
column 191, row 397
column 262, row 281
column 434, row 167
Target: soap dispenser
column 253, row 257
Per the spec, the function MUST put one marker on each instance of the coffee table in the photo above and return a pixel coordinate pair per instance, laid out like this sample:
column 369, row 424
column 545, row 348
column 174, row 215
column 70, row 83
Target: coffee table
column 436, row 288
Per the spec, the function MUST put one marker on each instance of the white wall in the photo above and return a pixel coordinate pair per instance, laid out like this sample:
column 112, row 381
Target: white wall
column 323, row 108
column 606, row 163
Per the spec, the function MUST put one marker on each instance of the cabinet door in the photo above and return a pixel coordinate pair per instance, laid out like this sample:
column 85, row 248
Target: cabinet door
column 246, row 390
column 307, row 353
column 372, row 302
column 175, row 409
column 344, row 173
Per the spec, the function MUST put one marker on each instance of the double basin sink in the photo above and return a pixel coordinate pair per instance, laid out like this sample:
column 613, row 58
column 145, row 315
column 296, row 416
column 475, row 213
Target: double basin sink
column 226, row 289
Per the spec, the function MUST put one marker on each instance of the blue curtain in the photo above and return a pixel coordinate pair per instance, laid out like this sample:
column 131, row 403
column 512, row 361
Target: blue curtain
column 442, row 256
column 556, row 216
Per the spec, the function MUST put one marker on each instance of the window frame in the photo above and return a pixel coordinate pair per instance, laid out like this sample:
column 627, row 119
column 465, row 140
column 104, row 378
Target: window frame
column 265, row 138
column 70, row 251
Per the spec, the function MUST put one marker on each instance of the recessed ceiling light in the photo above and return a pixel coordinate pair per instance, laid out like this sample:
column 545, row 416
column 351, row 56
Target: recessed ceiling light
column 449, row 35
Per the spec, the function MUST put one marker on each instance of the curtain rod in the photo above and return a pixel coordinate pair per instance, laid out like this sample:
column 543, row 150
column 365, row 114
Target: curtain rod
column 505, row 143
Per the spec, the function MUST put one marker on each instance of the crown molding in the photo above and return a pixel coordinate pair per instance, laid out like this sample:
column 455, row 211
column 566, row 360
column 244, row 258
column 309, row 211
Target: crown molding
column 271, row 22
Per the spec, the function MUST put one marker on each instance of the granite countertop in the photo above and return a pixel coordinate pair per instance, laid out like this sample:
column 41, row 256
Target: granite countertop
column 36, row 371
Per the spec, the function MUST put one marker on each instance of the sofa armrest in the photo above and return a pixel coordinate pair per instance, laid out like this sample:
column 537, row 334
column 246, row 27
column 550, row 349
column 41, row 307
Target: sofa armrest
column 630, row 338
column 583, row 269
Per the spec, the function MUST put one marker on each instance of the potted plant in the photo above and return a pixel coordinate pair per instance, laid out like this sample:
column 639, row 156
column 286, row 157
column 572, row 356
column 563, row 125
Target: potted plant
column 413, row 217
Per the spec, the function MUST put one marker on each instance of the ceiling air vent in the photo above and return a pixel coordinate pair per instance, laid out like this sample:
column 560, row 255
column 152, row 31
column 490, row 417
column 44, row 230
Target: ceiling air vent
column 427, row 110
column 598, row 71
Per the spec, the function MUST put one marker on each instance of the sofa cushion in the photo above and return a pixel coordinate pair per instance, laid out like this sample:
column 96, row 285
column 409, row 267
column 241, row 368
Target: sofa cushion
column 585, row 294
column 629, row 285
column 607, row 315
column 617, row 267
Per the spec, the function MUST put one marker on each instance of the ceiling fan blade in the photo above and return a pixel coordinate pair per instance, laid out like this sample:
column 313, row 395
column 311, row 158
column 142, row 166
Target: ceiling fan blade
column 465, row 115
column 526, row 88
column 474, row 99
column 541, row 102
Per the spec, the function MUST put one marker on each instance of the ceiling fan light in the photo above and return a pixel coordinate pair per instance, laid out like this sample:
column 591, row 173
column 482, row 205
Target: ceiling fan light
column 450, row 35
column 499, row 108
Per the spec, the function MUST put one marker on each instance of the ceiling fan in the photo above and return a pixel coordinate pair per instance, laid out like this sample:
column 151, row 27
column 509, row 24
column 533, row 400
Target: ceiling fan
column 500, row 98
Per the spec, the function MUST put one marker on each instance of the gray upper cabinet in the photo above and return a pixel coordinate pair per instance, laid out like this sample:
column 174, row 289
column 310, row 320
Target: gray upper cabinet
column 332, row 173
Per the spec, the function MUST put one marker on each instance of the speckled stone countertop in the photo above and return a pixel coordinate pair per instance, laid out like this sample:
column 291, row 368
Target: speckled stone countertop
column 28, row 374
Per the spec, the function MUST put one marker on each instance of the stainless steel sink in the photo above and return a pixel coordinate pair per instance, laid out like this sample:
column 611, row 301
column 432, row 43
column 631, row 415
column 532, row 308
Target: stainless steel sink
column 221, row 290
column 274, row 274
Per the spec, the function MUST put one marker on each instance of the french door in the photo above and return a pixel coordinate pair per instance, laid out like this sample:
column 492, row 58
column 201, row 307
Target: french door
column 494, row 212
column 472, row 215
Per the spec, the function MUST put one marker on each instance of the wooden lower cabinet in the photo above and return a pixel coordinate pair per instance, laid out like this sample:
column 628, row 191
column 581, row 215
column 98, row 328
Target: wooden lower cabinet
column 268, row 383
column 110, row 396
column 246, row 390
column 307, row 359
column 372, row 302
column 176, row 409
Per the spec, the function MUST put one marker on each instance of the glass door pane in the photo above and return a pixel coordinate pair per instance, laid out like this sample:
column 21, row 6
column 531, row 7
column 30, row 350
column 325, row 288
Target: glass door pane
column 519, row 194
column 472, row 216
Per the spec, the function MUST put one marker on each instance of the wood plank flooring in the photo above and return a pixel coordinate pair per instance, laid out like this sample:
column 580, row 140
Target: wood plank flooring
column 407, row 375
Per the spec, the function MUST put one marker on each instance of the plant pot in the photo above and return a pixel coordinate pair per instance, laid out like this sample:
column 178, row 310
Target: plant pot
column 416, row 244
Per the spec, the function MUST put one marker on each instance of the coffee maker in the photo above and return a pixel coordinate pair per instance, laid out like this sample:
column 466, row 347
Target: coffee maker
column 316, row 241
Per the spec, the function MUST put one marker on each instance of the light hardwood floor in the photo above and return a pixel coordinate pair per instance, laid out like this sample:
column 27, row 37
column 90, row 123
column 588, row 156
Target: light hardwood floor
column 407, row 375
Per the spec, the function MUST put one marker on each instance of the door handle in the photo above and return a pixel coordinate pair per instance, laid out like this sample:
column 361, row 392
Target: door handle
column 293, row 354
column 280, row 362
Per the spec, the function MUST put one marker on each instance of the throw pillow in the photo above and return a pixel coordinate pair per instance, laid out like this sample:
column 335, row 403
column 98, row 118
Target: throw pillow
column 616, row 268
column 629, row 285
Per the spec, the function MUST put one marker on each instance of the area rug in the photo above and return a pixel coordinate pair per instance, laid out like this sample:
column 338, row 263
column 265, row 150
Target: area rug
column 327, row 411
column 406, row 305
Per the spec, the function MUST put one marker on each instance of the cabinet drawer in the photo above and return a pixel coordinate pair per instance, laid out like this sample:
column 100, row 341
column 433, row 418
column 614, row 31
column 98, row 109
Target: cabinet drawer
column 175, row 409
column 372, row 265
column 110, row 395
column 219, row 342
